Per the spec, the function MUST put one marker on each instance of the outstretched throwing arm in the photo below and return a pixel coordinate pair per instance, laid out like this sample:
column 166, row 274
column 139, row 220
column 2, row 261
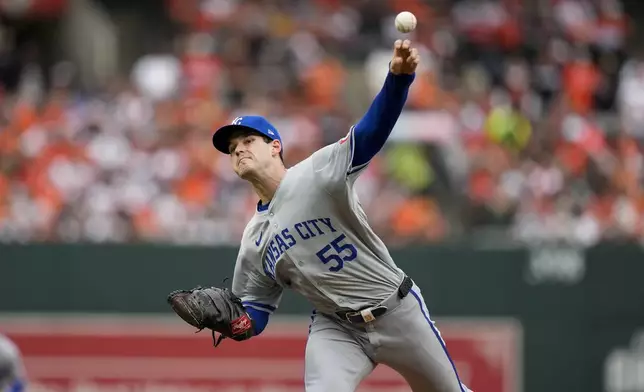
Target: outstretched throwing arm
column 373, row 129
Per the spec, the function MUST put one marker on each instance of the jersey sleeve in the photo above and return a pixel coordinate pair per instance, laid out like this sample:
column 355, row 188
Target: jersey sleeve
column 333, row 163
column 256, row 290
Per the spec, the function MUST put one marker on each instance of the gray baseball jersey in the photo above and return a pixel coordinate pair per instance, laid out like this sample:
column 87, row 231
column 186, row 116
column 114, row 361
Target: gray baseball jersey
column 314, row 238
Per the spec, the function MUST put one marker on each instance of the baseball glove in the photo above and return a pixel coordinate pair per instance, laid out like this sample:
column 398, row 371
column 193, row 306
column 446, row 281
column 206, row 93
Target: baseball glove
column 213, row 308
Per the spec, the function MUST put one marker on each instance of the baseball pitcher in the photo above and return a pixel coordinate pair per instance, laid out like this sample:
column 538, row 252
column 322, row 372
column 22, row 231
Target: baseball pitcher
column 310, row 234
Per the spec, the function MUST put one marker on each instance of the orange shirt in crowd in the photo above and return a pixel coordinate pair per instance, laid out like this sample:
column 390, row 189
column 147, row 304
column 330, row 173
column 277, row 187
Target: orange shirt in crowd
column 418, row 217
column 580, row 81
column 425, row 93
column 572, row 157
column 196, row 188
column 24, row 116
column 324, row 82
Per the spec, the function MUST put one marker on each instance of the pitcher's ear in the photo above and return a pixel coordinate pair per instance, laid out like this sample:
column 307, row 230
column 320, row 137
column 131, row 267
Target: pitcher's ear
column 277, row 147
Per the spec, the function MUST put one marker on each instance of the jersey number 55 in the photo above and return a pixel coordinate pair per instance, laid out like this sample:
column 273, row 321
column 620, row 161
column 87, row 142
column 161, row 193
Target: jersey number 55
column 337, row 252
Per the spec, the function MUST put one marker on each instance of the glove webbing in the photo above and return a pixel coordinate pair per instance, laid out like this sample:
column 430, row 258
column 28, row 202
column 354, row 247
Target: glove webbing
column 215, row 340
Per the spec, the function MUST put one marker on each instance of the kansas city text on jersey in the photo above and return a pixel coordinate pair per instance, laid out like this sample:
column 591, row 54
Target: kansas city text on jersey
column 334, row 254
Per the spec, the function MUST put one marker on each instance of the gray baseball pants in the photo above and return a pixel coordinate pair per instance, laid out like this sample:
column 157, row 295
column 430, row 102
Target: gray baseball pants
column 340, row 354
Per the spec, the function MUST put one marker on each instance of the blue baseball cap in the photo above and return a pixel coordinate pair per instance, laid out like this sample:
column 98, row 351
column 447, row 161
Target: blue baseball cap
column 258, row 124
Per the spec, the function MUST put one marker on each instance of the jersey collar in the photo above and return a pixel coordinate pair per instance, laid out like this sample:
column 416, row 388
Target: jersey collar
column 262, row 207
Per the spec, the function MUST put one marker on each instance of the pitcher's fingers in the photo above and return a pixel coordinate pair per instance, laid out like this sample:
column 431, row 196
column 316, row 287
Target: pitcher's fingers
column 413, row 56
column 397, row 45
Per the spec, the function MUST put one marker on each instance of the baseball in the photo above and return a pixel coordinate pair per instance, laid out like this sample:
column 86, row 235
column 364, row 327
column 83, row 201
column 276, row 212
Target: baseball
column 405, row 22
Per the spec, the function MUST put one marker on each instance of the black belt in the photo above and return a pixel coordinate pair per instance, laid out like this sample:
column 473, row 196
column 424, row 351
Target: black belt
column 367, row 315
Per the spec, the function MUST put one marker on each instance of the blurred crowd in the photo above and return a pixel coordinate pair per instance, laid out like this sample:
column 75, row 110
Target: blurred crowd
column 524, row 122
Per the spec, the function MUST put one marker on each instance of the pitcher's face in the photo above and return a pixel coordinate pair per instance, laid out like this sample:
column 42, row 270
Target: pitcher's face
column 252, row 153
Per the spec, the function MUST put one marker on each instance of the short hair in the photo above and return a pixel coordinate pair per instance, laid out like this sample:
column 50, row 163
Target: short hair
column 268, row 140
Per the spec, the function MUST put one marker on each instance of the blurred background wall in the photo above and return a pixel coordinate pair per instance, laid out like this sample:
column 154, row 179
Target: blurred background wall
column 511, row 189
